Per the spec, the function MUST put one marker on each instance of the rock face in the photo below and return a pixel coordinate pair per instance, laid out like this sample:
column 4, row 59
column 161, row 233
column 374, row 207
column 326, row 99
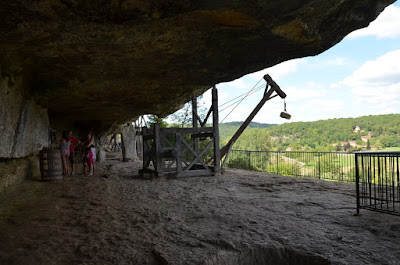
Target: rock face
column 24, row 125
column 14, row 171
column 100, row 63
column 128, row 135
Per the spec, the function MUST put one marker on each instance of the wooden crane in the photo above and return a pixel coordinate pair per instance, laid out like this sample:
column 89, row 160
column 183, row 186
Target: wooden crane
column 176, row 152
column 270, row 88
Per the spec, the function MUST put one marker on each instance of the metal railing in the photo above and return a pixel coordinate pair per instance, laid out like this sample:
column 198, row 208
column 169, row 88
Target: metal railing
column 378, row 181
column 335, row 166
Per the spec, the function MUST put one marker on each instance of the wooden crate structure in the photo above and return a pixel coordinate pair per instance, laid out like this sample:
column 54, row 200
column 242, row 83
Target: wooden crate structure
column 183, row 152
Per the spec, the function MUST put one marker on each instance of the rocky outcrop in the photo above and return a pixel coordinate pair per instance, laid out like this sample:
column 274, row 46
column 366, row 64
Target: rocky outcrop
column 128, row 136
column 13, row 171
column 24, row 125
column 100, row 63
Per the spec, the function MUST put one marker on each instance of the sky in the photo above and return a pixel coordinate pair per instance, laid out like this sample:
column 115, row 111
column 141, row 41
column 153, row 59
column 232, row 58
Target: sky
column 357, row 77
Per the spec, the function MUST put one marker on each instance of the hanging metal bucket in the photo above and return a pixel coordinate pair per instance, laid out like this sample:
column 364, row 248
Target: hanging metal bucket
column 51, row 165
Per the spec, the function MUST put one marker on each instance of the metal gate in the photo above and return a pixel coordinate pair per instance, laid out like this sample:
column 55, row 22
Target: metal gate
column 378, row 181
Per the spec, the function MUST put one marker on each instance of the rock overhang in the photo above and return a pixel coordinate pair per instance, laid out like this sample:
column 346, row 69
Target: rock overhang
column 107, row 62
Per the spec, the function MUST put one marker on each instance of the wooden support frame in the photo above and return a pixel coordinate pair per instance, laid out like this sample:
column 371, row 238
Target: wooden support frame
column 184, row 152
column 270, row 88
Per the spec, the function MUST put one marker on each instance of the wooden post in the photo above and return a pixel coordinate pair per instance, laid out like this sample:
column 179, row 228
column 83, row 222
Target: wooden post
column 178, row 152
column 144, row 149
column 217, row 155
column 157, row 141
column 194, row 122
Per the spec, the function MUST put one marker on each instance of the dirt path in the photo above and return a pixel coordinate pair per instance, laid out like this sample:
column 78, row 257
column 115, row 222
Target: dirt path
column 238, row 218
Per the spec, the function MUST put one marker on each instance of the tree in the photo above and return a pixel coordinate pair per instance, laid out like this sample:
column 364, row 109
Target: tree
column 345, row 147
column 378, row 144
column 254, row 140
column 183, row 117
column 368, row 145
column 156, row 119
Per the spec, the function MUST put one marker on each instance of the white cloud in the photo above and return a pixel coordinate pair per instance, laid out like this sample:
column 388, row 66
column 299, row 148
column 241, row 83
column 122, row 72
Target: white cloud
column 318, row 104
column 377, row 83
column 239, row 114
column 385, row 70
column 378, row 96
column 250, row 81
column 309, row 90
column 387, row 25
column 335, row 85
column 338, row 61
column 280, row 70
column 318, row 109
column 206, row 100
column 270, row 112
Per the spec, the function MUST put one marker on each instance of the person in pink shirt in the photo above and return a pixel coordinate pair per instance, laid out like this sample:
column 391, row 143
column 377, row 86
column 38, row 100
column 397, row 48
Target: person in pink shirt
column 89, row 156
column 73, row 142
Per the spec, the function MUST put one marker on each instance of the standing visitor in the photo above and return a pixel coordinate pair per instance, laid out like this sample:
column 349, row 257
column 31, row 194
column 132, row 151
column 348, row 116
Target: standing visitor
column 73, row 142
column 64, row 146
column 88, row 157
column 93, row 149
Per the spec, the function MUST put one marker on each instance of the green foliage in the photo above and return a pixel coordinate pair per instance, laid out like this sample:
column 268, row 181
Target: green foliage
column 287, row 169
column 323, row 133
column 254, row 139
column 320, row 135
column 155, row 119
column 183, row 117
column 240, row 162
column 226, row 130
column 389, row 140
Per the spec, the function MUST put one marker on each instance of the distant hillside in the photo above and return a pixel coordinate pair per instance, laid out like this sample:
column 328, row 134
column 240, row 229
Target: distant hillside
column 384, row 130
column 321, row 135
column 226, row 130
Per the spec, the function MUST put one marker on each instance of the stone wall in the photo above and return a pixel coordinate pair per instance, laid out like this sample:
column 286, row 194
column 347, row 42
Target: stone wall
column 24, row 125
column 24, row 130
column 128, row 135
column 13, row 171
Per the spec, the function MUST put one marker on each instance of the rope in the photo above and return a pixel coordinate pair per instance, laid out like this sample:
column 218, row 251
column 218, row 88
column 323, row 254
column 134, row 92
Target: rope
column 254, row 91
column 254, row 87
column 251, row 91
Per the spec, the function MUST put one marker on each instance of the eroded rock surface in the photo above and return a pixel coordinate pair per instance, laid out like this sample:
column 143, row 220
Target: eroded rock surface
column 238, row 218
column 101, row 62
column 24, row 125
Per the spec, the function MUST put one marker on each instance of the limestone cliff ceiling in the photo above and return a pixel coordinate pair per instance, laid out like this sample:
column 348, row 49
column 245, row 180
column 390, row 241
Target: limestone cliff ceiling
column 110, row 61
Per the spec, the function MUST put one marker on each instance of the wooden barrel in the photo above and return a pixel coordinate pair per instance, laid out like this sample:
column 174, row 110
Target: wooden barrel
column 51, row 165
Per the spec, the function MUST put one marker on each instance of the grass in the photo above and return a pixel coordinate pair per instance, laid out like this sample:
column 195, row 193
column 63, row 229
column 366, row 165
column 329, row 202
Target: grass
column 335, row 162
column 391, row 149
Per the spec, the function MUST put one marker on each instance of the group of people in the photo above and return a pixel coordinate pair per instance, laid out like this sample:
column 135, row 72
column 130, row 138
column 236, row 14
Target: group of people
column 67, row 148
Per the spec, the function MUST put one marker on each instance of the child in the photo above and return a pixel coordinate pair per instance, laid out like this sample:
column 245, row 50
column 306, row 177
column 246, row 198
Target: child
column 89, row 161
column 64, row 146
column 88, row 156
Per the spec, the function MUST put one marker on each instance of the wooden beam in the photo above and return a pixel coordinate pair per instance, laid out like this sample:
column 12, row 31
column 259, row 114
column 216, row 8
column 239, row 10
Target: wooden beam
column 203, row 135
column 265, row 98
column 186, row 130
column 217, row 155
column 195, row 118
column 207, row 116
column 197, row 156
column 274, row 86
column 158, row 156
column 178, row 152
